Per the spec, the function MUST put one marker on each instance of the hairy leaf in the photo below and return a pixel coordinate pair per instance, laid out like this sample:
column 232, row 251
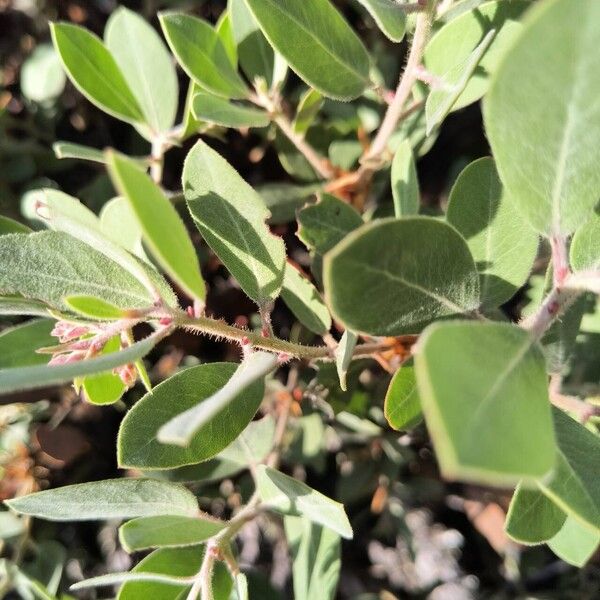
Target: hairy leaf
column 292, row 497
column 532, row 517
column 18, row 344
column 231, row 217
column 137, row 445
column 109, row 499
column 546, row 157
column 389, row 16
column 337, row 64
column 213, row 109
column 491, row 424
column 574, row 485
column 316, row 558
column 202, row 55
column 402, row 406
column 94, row 71
column 405, row 185
column 394, row 276
column 164, row 231
column 503, row 245
column 303, row 299
column 146, row 64
column 456, row 40
column 167, row 530
column 575, row 543
column 182, row 429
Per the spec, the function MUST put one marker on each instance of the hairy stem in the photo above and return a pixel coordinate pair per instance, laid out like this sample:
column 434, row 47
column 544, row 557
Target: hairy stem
column 221, row 329
column 317, row 162
column 403, row 91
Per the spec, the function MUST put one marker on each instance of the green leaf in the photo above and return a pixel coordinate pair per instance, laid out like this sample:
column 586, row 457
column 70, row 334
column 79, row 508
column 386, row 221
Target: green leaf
column 503, row 245
column 491, row 424
column 10, row 525
column 284, row 199
column 119, row 223
column 108, row 499
column 402, row 406
column 553, row 179
column 585, row 246
column 532, row 517
column 42, row 76
column 575, row 543
column 252, row 446
column 316, row 558
column 453, row 83
column 405, row 185
column 67, row 214
column 289, row 496
column 201, row 54
column 105, row 388
column 94, row 71
column 454, row 42
column 146, row 65
column 256, row 56
column 18, row 344
column 343, row 356
column 69, row 150
column 37, row 376
column 322, row 225
column 95, row 308
column 231, row 217
column 173, row 562
column 11, row 226
column 303, row 299
column 389, row 16
column 308, row 108
column 224, row 29
column 167, row 530
column 574, row 486
column 137, row 445
column 15, row 305
column 337, row 64
column 164, row 231
column 182, row 429
column 213, row 109
column 394, row 276
column 50, row 265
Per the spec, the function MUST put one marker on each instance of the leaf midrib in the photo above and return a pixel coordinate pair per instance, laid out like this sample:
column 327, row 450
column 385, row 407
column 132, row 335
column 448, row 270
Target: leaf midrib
column 318, row 41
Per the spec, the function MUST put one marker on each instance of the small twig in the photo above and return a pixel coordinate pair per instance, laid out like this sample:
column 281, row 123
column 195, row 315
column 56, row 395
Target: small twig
column 583, row 410
column 318, row 163
column 157, row 159
column 221, row 329
column 404, row 89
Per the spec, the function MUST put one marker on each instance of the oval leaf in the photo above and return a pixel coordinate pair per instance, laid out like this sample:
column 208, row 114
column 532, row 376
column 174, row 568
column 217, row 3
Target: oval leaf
column 137, row 445
column 109, row 499
column 231, row 217
column 18, row 344
column 389, row 16
column 502, row 244
column 180, row 430
column 292, row 497
column 213, row 109
column 202, row 55
column 554, row 178
column 164, row 231
column 454, row 42
column 402, row 407
column 393, row 276
column 405, row 185
column 491, row 425
column 146, row 65
column 337, row 64
column 94, row 71
column 585, row 246
column 303, row 299
column 167, row 530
